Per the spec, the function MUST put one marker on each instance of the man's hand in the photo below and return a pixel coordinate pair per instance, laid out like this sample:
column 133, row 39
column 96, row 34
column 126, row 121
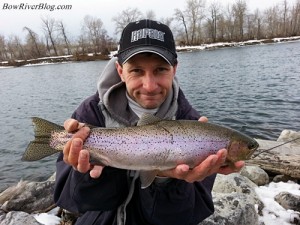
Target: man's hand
column 211, row 165
column 74, row 155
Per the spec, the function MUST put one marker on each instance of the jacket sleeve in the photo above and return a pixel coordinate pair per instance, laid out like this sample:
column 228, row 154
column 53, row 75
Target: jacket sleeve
column 79, row 192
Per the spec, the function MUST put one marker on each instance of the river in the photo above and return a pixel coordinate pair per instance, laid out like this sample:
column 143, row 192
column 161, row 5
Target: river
column 254, row 89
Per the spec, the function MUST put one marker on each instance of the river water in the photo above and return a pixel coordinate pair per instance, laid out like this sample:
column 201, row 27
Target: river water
column 254, row 89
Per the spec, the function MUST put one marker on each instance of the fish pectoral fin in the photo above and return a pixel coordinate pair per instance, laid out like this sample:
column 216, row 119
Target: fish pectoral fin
column 147, row 177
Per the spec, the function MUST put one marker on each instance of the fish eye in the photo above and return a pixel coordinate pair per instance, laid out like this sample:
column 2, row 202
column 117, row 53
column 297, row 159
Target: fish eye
column 252, row 145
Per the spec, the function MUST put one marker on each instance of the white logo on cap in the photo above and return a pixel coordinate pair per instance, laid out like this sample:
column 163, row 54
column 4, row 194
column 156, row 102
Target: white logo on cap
column 147, row 32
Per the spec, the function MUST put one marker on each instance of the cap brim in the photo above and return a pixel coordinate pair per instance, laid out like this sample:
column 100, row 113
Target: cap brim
column 164, row 53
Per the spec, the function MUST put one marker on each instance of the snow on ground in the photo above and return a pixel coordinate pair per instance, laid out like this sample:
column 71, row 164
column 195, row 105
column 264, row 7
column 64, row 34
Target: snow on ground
column 273, row 213
column 48, row 218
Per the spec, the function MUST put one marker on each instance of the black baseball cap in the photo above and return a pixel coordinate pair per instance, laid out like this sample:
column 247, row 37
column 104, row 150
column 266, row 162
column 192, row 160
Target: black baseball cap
column 147, row 36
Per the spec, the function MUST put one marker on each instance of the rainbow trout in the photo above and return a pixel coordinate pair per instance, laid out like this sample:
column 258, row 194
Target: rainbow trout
column 152, row 145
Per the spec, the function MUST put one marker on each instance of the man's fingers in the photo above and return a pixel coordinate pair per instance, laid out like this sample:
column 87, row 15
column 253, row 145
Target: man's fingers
column 228, row 169
column 203, row 170
column 71, row 125
column 83, row 133
column 96, row 171
column 83, row 161
column 208, row 167
column 222, row 154
column 75, row 148
column 203, row 119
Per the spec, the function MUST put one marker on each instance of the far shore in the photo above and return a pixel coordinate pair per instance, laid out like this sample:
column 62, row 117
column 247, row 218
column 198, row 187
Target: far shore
column 95, row 57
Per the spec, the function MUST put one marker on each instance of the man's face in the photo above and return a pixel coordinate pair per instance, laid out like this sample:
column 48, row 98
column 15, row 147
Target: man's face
column 148, row 78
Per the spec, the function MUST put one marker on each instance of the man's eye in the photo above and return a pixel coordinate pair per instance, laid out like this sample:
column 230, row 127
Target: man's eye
column 135, row 71
column 162, row 69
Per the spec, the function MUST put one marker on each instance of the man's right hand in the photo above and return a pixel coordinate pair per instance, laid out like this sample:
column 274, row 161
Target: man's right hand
column 74, row 155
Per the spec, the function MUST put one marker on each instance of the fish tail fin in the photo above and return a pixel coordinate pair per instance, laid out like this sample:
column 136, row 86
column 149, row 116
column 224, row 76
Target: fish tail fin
column 40, row 146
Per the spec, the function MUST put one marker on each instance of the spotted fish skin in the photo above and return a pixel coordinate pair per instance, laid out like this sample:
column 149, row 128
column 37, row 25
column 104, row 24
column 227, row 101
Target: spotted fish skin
column 153, row 145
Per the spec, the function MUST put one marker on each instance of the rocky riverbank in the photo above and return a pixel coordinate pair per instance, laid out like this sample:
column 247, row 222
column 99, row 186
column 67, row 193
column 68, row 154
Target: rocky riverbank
column 213, row 46
column 55, row 59
column 94, row 57
column 253, row 196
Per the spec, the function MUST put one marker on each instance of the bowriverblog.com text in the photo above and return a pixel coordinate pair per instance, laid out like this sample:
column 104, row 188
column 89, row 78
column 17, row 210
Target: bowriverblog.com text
column 40, row 6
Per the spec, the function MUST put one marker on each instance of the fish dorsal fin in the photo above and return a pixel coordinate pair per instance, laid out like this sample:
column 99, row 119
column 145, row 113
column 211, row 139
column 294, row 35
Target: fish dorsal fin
column 147, row 177
column 147, row 118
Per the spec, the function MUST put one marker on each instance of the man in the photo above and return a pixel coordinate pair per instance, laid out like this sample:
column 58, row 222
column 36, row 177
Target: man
column 141, row 80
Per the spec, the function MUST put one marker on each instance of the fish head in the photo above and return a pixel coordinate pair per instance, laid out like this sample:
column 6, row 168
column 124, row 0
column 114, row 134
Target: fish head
column 241, row 147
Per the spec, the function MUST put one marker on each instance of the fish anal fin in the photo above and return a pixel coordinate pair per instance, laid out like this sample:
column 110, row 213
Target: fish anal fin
column 147, row 118
column 147, row 177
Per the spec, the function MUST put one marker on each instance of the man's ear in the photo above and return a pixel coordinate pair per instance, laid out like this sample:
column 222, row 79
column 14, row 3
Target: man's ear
column 120, row 70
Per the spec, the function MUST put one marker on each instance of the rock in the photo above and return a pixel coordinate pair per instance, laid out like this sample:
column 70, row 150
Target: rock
column 287, row 135
column 235, row 200
column 17, row 218
column 278, row 147
column 28, row 197
column 275, row 159
column 288, row 201
column 256, row 175
column 233, row 182
column 232, row 209
column 283, row 178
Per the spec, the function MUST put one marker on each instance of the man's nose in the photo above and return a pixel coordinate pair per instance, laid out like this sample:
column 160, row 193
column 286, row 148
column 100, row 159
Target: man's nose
column 149, row 82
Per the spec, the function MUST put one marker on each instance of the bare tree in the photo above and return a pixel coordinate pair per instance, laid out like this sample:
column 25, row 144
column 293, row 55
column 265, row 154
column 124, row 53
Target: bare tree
column 271, row 21
column 229, row 23
column 195, row 14
column 126, row 16
column 15, row 48
column 97, row 35
column 295, row 20
column 62, row 30
column 179, row 16
column 82, row 44
column 191, row 18
column 167, row 21
column 32, row 43
column 239, row 9
column 284, row 18
column 49, row 29
column 3, row 50
column 258, row 26
column 150, row 14
column 212, row 21
column 221, row 27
